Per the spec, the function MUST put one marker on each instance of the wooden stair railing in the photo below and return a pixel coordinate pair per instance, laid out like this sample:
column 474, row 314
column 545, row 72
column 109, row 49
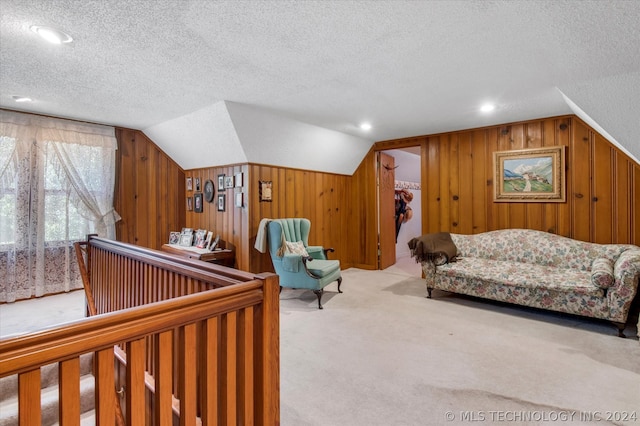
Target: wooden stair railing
column 83, row 260
column 201, row 343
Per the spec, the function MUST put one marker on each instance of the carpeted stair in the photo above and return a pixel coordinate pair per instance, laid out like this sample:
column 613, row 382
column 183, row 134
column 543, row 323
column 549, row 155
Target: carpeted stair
column 49, row 395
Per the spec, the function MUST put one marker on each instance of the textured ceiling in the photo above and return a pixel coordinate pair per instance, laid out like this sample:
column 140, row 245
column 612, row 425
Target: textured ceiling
column 409, row 67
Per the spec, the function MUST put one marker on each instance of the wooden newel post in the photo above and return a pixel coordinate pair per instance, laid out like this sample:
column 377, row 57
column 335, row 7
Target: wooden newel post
column 268, row 389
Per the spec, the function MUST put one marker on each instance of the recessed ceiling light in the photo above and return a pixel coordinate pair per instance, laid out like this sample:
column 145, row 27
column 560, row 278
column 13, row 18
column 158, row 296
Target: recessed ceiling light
column 487, row 107
column 365, row 126
column 21, row 98
column 52, row 35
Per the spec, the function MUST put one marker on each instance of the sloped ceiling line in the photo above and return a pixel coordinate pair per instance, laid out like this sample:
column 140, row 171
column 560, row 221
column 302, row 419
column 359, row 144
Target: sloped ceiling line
column 230, row 133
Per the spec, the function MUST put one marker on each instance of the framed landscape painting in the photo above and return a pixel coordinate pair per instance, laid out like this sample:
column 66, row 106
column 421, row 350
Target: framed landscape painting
column 530, row 175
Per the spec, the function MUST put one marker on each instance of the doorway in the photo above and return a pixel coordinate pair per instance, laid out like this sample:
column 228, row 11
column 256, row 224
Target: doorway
column 393, row 249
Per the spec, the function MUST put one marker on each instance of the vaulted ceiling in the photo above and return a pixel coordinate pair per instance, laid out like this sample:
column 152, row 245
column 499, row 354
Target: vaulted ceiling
column 289, row 82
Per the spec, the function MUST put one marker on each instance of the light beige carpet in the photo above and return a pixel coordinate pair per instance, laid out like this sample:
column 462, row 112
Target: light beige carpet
column 34, row 314
column 382, row 354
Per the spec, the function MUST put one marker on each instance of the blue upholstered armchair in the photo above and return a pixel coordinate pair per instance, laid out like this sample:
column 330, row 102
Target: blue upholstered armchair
column 298, row 264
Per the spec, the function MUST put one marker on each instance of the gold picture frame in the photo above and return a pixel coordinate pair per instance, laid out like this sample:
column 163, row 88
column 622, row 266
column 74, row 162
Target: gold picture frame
column 530, row 175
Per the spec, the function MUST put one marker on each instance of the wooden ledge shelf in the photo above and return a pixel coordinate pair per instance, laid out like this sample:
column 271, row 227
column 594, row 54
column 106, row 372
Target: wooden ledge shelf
column 220, row 256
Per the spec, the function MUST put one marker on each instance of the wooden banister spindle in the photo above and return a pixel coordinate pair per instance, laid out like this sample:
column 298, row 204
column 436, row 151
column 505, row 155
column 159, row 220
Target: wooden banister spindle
column 30, row 411
column 69, row 392
column 135, row 390
column 209, row 371
column 187, row 378
column 105, row 397
column 229, row 385
column 246, row 362
column 164, row 379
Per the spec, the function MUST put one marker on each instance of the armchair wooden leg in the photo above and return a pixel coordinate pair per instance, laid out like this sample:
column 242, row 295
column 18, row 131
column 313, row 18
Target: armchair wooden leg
column 339, row 282
column 319, row 295
column 429, row 290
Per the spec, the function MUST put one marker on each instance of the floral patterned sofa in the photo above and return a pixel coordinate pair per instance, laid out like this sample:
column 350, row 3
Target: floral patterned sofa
column 542, row 270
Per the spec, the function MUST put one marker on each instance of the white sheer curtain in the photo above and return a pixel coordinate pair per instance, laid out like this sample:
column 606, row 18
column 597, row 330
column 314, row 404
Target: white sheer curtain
column 56, row 185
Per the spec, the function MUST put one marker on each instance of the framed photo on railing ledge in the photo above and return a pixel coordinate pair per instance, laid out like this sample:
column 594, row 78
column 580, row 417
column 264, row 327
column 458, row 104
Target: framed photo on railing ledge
column 530, row 175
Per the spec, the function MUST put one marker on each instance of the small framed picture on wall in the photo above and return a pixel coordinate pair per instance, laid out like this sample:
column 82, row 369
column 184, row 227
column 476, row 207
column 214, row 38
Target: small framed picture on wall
column 197, row 201
column 265, row 187
column 209, row 191
column 221, row 202
column 189, row 184
column 228, row 182
column 220, row 182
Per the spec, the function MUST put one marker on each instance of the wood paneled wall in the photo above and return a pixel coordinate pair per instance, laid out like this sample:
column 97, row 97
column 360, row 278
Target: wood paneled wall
column 459, row 180
column 363, row 226
column 149, row 195
column 323, row 198
column 232, row 224
column 603, row 191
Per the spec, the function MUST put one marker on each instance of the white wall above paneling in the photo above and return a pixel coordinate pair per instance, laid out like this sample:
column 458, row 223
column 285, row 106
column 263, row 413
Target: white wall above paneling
column 269, row 138
column 229, row 133
column 203, row 138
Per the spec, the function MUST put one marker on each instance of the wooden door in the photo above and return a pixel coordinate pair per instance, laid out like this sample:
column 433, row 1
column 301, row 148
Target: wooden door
column 386, row 205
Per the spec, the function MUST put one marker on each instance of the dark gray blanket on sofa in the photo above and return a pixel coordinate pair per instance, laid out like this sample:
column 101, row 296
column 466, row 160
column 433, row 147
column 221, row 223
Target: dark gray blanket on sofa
column 437, row 247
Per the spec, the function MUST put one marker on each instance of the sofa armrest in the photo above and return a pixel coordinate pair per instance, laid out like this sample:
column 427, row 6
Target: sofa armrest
column 429, row 270
column 626, row 272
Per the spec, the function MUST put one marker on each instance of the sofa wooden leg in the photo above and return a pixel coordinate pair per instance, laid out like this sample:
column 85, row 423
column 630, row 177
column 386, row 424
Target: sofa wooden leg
column 621, row 326
column 339, row 282
column 429, row 290
column 319, row 295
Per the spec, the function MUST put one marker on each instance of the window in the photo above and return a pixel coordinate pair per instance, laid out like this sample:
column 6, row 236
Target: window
column 63, row 220
column 56, row 186
column 7, row 195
